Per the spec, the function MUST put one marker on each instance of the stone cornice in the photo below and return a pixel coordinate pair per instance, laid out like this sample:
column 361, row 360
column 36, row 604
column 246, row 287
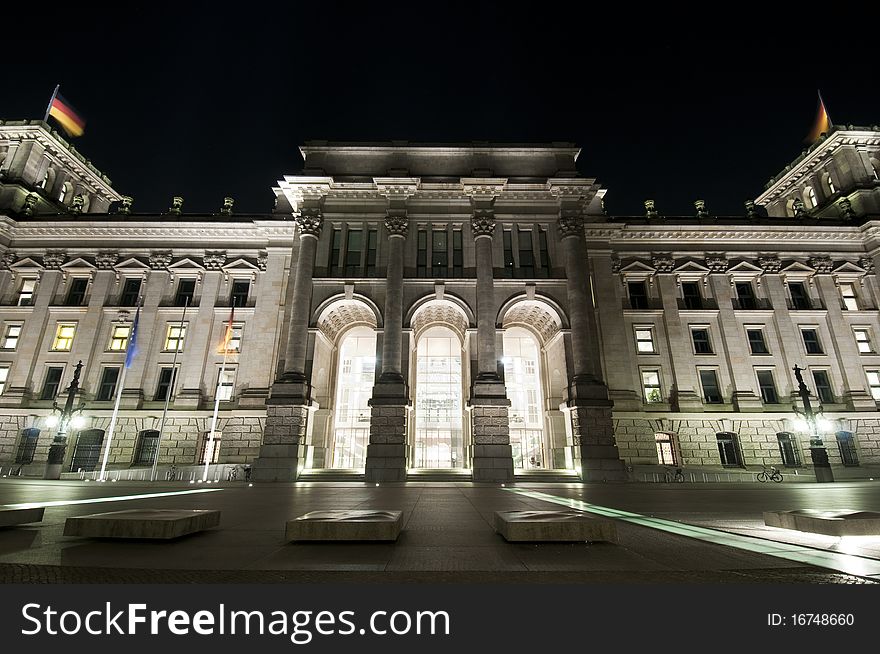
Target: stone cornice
column 754, row 234
column 397, row 187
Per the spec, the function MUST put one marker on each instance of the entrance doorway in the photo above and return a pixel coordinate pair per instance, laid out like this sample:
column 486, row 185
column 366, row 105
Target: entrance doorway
column 522, row 378
column 356, row 375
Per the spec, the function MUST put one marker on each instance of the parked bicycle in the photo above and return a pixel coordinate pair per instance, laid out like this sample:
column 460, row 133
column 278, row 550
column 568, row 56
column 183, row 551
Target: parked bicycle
column 676, row 476
column 171, row 473
column 770, row 473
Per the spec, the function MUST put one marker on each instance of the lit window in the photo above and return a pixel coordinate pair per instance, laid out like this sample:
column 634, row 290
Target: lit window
column 4, row 373
column 119, row 338
column 226, row 384
column 665, row 449
column 700, row 337
column 848, row 295
column 651, row 385
column 64, row 337
column 209, row 452
column 10, row 340
column 863, row 339
column 175, row 337
column 830, row 183
column 26, row 292
column 874, row 383
column 810, row 197
column 645, row 340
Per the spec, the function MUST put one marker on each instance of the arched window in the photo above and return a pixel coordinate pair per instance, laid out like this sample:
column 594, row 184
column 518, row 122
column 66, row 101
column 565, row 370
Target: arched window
column 45, row 181
column 875, row 166
column 438, row 435
column 65, row 193
column 87, row 451
column 789, row 207
column 810, row 197
column 147, row 443
column 355, row 375
column 829, row 184
column 27, row 445
column 522, row 378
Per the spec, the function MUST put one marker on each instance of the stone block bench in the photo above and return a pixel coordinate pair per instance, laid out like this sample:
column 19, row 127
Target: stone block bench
column 351, row 525
column 13, row 517
column 158, row 524
column 829, row 523
column 553, row 526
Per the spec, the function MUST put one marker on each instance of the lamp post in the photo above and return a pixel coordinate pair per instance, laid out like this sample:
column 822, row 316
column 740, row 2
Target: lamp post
column 63, row 419
column 818, row 453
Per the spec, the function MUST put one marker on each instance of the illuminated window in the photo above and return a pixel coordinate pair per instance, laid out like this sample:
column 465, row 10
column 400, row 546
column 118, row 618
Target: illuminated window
column 209, row 451
column 830, row 184
column 119, row 337
column 651, row 386
column 64, row 337
column 26, row 292
column 354, row 384
column 10, row 340
column 863, row 340
column 226, row 384
column 522, row 380
column 810, row 197
column 645, row 340
column 848, row 296
column 665, row 449
column 4, row 373
column 874, row 383
column 174, row 338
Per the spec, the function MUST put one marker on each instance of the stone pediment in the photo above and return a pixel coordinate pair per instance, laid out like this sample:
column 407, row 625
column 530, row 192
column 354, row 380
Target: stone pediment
column 691, row 267
column 849, row 268
column 797, row 269
column 185, row 264
column 78, row 265
column 745, row 269
column 638, row 268
column 26, row 264
column 132, row 264
column 240, row 265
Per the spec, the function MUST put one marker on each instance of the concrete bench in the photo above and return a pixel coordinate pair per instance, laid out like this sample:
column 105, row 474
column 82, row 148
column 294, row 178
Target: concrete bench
column 159, row 524
column 353, row 525
column 553, row 526
column 830, row 523
column 12, row 517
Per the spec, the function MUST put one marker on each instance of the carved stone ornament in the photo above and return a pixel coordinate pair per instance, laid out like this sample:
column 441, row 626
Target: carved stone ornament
column 7, row 260
column 717, row 263
column 77, row 204
column 54, row 260
column 800, row 209
column 30, row 203
column 865, row 262
column 846, row 210
column 124, row 208
column 176, row 205
column 214, row 260
column 663, row 263
column 751, row 209
column 226, row 209
column 310, row 221
column 823, row 265
column 396, row 222
column 651, row 209
column 262, row 260
column 483, row 222
column 615, row 265
column 570, row 223
column 702, row 210
column 106, row 260
column 770, row 264
column 159, row 260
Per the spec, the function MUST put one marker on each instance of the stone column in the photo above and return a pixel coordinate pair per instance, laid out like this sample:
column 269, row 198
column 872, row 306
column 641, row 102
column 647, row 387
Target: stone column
column 386, row 451
column 588, row 402
column 492, row 454
column 287, row 407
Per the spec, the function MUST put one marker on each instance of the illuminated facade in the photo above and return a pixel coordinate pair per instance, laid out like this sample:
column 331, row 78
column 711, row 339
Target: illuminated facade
column 469, row 310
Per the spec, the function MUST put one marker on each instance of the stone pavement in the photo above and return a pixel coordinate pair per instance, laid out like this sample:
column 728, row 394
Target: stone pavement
column 447, row 537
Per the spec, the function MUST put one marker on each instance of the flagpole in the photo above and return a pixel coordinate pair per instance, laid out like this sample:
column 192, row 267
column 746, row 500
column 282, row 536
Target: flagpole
column 209, row 451
column 822, row 102
column 49, row 108
column 170, row 391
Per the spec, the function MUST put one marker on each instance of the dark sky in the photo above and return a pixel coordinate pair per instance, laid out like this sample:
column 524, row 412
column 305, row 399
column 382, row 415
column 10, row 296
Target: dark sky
column 195, row 100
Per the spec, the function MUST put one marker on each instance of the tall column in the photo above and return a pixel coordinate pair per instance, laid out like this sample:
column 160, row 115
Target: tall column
column 386, row 451
column 492, row 457
column 588, row 402
column 287, row 407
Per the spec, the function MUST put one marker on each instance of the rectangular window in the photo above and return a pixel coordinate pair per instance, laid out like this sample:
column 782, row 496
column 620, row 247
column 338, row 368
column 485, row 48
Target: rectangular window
column 811, row 341
column 10, row 339
column 700, row 337
column 665, row 449
column 64, row 334
column 874, row 383
column 209, row 452
column 226, row 384
column 354, row 245
column 545, row 252
column 526, row 253
column 800, row 299
column 4, row 373
column 26, row 292
column 651, row 386
column 241, row 288
column 51, row 383
column 335, row 262
column 119, row 338
column 690, row 292
column 457, row 254
column 439, row 254
column 728, row 449
column 27, row 446
column 422, row 254
column 166, row 382
column 372, row 245
column 745, row 296
column 848, row 297
column 76, row 296
column 131, row 290
column 863, row 340
column 788, row 449
column 234, row 345
column 107, row 387
column 638, row 295
column 849, row 456
column 645, row 340
column 509, row 263
column 174, row 338
column 768, row 387
column 823, row 386
column 186, row 288
column 711, row 390
column 757, row 344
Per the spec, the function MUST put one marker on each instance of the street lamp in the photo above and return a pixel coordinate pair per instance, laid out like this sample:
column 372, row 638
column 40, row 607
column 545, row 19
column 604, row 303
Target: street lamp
column 64, row 418
column 812, row 421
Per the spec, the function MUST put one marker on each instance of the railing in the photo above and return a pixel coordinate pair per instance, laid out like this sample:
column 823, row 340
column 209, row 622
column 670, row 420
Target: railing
column 696, row 304
column 216, row 472
column 663, row 476
column 642, row 304
column 804, row 304
column 751, row 304
column 227, row 302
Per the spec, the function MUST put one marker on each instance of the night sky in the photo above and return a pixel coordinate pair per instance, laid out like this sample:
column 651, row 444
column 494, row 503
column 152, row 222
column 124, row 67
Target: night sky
column 203, row 102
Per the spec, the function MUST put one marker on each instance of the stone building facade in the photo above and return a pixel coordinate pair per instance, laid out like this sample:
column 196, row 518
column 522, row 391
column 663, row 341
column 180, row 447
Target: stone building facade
column 469, row 309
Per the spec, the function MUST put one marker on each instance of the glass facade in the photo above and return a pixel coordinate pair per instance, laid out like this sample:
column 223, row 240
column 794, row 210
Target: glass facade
column 439, row 441
column 526, row 417
column 354, row 387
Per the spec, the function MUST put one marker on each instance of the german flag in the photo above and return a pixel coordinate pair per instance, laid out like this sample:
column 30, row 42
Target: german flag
column 822, row 125
column 70, row 121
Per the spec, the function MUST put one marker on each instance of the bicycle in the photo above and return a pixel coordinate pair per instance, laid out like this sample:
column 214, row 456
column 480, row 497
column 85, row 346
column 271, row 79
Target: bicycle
column 232, row 474
column 770, row 473
column 677, row 476
column 171, row 473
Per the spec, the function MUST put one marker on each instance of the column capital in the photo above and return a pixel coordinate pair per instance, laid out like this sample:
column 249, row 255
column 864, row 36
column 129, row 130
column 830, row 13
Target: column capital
column 310, row 221
column 570, row 223
column 483, row 222
column 396, row 222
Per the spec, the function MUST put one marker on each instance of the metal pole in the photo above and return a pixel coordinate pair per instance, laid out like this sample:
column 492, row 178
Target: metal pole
column 113, row 423
column 209, row 451
column 52, row 100
column 180, row 333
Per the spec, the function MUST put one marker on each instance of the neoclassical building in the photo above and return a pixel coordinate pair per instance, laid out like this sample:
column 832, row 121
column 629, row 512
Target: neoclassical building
column 470, row 310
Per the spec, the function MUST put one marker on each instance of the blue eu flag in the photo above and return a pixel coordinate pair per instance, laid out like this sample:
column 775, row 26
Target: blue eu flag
column 131, row 353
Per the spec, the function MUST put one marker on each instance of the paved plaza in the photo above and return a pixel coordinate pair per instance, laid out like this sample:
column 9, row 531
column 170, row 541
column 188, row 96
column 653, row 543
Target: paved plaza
column 695, row 533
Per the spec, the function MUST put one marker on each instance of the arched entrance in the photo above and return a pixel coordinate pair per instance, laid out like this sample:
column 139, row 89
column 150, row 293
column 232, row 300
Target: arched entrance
column 354, row 386
column 522, row 378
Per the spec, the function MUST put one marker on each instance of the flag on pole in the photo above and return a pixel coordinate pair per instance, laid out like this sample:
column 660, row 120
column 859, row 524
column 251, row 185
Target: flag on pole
column 62, row 111
column 132, row 343
column 822, row 125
